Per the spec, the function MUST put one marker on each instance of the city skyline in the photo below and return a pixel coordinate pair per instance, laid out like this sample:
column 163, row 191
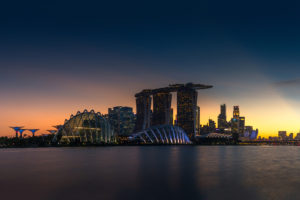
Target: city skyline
column 57, row 58
column 149, row 100
column 203, row 120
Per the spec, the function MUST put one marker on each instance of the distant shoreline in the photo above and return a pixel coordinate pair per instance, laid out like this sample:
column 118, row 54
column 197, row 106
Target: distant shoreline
column 148, row 145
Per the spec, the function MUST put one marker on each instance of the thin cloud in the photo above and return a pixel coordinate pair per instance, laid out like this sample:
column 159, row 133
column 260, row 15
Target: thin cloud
column 288, row 83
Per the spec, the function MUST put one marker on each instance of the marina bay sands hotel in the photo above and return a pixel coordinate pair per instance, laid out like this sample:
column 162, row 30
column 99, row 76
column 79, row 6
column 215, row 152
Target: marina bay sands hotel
column 162, row 97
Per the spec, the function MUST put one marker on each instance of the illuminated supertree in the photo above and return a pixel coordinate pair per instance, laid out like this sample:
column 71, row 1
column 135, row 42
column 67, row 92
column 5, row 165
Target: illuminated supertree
column 21, row 132
column 17, row 129
column 33, row 131
column 58, row 127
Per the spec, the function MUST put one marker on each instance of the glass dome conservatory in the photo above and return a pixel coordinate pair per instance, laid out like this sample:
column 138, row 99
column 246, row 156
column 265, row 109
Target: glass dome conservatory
column 162, row 134
column 86, row 127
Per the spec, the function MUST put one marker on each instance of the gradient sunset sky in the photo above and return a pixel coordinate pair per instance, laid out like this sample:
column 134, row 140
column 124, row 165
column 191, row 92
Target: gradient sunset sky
column 58, row 57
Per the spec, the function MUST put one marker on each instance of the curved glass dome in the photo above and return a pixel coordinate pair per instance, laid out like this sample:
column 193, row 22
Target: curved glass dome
column 163, row 134
column 86, row 127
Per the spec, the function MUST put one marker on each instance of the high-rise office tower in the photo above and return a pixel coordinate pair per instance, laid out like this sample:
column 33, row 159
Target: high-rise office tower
column 223, row 110
column 143, row 112
column 122, row 120
column 161, row 108
column 242, row 125
column 236, row 112
column 235, row 123
column 222, row 119
column 186, row 109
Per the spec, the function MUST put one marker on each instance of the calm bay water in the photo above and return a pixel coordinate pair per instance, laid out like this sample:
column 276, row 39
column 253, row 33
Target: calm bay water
column 151, row 172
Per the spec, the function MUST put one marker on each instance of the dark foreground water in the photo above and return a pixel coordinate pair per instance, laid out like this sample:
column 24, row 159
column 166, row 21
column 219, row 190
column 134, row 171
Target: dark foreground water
column 152, row 172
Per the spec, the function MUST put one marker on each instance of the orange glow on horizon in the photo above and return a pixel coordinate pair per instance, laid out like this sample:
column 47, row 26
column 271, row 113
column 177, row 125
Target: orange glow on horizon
column 268, row 122
column 265, row 109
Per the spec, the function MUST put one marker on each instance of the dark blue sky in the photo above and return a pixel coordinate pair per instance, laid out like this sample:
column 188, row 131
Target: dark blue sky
column 49, row 49
column 167, row 31
column 171, row 34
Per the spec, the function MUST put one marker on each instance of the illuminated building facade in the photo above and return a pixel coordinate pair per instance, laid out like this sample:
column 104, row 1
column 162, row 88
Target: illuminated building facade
column 236, row 112
column 86, row 127
column 161, row 108
column 122, row 120
column 234, row 125
column 237, row 122
column 250, row 133
column 186, row 107
column 186, row 110
column 162, row 134
column 222, row 118
column 241, row 125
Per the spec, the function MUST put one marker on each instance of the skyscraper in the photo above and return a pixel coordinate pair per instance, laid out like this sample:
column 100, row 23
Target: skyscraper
column 186, row 109
column 222, row 119
column 143, row 112
column 235, row 120
column 242, row 125
column 236, row 112
column 122, row 120
column 235, row 123
column 161, row 108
